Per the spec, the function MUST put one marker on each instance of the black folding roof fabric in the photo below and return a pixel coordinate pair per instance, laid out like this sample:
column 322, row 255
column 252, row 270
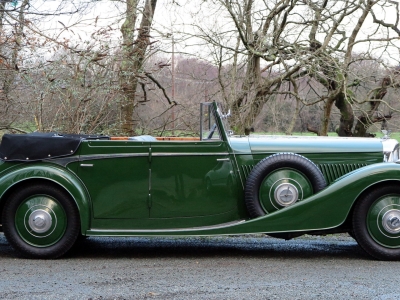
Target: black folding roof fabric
column 37, row 146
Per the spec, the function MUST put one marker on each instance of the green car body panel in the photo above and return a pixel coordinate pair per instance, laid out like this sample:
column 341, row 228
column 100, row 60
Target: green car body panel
column 116, row 171
column 12, row 176
column 197, row 187
column 325, row 210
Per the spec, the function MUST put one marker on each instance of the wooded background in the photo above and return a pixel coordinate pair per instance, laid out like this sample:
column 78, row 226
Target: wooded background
column 143, row 66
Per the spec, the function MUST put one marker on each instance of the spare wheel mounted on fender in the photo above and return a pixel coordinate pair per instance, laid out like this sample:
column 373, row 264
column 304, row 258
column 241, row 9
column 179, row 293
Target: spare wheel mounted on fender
column 281, row 180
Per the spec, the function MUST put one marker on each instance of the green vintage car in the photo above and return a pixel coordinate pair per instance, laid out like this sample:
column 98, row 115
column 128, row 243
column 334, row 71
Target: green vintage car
column 56, row 188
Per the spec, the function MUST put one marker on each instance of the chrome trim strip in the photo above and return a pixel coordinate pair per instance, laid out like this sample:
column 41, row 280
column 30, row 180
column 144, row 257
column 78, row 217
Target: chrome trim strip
column 122, row 155
column 188, row 154
column 86, row 165
column 105, row 156
column 63, row 161
column 131, row 144
column 223, row 159
column 67, row 160
column 224, row 225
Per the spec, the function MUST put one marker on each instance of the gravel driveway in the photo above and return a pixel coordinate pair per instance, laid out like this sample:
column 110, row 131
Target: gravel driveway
column 202, row 268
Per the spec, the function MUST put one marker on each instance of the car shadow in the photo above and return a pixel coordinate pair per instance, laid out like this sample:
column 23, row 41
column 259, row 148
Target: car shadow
column 197, row 247
column 232, row 246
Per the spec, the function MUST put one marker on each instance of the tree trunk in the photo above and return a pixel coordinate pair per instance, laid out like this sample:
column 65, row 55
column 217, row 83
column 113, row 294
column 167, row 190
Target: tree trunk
column 12, row 56
column 134, row 51
column 240, row 117
column 323, row 130
column 367, row 118
column 293, row 120
column 346, row 115
column 2, row 11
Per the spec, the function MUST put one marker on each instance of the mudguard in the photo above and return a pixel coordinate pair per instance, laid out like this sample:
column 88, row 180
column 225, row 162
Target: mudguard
column 326, row 209
column 60, row 176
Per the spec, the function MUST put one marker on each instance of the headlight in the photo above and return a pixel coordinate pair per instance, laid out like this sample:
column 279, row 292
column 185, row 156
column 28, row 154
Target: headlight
column 390, row 150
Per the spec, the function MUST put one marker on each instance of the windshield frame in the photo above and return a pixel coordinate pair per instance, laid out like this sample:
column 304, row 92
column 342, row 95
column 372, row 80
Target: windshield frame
column 211, row 110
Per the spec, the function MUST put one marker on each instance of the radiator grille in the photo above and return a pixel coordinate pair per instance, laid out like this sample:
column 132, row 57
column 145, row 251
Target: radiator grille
column 334, row 171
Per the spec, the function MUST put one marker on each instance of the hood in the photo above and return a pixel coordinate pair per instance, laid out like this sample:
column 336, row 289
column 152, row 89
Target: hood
column 312, row 144
column 305, row 144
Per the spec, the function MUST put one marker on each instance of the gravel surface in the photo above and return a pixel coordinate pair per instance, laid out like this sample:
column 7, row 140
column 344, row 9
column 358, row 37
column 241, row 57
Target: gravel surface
column 202, row 268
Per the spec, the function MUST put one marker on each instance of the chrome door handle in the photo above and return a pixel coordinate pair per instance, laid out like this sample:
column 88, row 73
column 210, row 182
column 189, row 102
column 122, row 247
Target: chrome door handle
column 86, row 165
column 222, row 159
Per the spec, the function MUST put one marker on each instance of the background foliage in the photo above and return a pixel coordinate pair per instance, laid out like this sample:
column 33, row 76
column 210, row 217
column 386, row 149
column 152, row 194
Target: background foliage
column 143, row 66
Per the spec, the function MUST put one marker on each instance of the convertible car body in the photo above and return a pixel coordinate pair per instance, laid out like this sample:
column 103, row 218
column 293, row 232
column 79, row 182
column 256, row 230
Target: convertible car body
column 55, row 188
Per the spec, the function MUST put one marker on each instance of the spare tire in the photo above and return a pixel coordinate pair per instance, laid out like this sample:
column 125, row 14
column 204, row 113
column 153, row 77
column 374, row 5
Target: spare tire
column 281, row 180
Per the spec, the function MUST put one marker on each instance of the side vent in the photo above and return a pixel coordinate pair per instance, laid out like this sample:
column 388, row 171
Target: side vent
column 334, row 171
column 246, row 169
column 331, row 171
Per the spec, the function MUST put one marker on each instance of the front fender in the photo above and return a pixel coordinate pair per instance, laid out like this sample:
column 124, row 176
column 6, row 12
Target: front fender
column 328, row 208
column 60, row 176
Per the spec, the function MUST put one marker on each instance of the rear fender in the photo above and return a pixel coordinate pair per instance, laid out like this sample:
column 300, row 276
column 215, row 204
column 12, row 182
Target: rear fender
column 59, row 176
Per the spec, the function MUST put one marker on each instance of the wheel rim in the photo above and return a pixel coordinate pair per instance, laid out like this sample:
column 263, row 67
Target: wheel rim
column 40, row 221
column 283, row 188
column 383, row 221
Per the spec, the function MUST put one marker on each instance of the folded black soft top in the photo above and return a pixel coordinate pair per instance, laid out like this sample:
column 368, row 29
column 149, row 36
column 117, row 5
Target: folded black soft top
column 38, row 146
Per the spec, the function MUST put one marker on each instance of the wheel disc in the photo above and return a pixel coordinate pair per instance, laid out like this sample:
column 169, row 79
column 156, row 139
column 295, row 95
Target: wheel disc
column 383, row 221
column 40, row 221
column 283, row 188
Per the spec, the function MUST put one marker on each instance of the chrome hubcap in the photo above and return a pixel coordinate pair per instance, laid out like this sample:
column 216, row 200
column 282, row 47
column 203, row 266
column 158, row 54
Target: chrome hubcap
column 391, row 221
column 286, row 194
column 40, row 221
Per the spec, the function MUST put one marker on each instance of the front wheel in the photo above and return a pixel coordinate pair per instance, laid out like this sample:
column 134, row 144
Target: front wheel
column 41, row 221
column 376, row 222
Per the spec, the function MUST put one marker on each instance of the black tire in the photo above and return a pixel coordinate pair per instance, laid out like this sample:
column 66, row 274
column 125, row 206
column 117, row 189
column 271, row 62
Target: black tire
column 274, row 168
column 351, row 234
column 41, row 221
column 82, row 238
column 376, row 222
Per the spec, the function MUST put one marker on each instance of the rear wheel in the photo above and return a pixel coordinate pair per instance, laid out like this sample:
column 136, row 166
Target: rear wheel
column 376, row 222
column 41, row 221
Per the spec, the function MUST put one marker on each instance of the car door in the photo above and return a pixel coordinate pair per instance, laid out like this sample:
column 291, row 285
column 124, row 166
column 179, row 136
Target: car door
column 190, row 179
column 116, row 174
